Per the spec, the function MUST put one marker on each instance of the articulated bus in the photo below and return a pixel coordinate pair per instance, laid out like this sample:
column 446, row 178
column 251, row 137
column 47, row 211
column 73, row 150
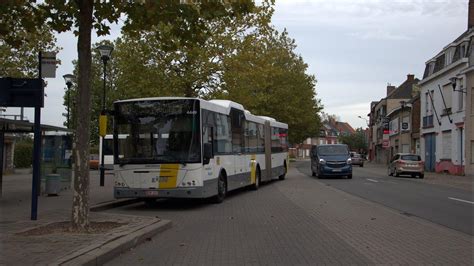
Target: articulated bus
column 174, row 147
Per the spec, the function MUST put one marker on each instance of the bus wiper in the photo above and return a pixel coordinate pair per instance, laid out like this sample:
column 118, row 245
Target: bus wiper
column 174, row 158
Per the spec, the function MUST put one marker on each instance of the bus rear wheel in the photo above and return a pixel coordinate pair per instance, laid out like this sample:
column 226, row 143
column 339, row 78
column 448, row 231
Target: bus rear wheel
column 221, row 189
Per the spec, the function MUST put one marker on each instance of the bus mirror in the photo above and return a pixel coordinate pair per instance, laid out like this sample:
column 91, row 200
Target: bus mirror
column 207, row 152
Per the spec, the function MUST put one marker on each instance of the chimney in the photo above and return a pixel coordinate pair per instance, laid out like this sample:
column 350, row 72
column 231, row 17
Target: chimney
column 470, row 15
column 390, row 89
column 410, row 77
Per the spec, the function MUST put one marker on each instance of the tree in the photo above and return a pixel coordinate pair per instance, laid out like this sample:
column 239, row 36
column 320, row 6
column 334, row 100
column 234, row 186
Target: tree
column 159, row 62
column 356, row 141
column 82, row 16
column 241, row 58
column 269, row 78
column 22, row 61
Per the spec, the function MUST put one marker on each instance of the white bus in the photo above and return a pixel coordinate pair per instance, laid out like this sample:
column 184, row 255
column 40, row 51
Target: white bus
column 108, row 150
column 192, row 148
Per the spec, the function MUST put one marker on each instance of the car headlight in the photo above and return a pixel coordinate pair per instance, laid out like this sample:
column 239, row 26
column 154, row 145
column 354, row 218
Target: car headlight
column 322, row 161
column 349, row 161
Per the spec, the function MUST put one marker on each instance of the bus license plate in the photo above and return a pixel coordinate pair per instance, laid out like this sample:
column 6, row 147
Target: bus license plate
column 151, row 193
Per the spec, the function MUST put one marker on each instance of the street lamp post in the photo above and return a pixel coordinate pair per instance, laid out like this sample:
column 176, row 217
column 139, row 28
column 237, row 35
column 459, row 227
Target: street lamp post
column 366, row 120
column 68, row 78
column 105, row 52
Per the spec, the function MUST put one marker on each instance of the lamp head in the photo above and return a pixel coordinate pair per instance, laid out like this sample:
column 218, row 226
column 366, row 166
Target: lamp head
column 105, row 51
column 69, row 79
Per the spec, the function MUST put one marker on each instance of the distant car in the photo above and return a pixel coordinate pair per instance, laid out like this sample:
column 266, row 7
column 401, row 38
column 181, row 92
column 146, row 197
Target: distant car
column 406, row 164
column 357, row 159
column 94, row 162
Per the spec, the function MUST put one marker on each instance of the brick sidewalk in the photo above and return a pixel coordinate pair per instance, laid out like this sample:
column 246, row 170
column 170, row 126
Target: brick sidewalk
column 15, row 207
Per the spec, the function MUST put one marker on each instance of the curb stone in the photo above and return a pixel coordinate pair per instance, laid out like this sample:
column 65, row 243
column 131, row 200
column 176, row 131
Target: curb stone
column 102, row 253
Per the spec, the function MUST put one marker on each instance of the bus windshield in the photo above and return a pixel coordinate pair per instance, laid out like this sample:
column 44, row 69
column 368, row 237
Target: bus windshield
column 164, row 131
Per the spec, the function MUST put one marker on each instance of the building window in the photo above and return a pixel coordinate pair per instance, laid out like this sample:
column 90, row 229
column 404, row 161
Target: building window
column 447, row 100
column 439, row 64
column 446, row 142
column 431, row 71
column 427, row 103
column 449, row 55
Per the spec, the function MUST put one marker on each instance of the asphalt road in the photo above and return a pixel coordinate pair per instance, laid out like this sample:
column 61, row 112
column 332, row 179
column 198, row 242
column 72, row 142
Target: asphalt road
column 439, row 204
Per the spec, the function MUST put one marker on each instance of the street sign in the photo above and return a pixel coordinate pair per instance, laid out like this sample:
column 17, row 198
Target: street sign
column 385, row 143
column 48, row 65
column 21, row 92
column 404, row 126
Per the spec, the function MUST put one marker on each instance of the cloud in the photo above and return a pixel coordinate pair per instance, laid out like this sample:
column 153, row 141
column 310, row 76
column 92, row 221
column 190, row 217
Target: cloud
column 379, row 34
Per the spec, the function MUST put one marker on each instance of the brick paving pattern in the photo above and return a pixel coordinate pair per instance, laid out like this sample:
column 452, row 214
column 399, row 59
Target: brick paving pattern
column 44, row 250
column 299, row 221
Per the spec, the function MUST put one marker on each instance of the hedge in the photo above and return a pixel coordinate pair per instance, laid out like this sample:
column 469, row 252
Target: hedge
column 23, row 154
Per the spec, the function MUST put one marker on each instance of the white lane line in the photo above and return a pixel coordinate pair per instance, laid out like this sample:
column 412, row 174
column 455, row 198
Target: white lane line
column 372, row 180
column 466, row 201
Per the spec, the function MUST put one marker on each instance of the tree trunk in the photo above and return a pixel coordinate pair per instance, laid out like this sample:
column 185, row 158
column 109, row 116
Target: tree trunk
column 80, row 204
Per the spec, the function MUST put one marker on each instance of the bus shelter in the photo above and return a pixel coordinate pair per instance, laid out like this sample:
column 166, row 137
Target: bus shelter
column 56, row 142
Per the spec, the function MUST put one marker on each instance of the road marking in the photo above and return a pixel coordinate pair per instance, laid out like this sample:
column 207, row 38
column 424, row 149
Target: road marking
column 461, row 200
column 372, row 180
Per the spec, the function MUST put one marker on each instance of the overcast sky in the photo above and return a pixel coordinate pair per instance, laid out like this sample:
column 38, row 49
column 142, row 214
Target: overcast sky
column 354, row 48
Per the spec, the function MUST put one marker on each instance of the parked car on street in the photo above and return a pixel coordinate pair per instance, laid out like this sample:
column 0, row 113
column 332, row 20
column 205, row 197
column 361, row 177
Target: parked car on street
column 406, row 164
column 357, row 159
column 331, row 160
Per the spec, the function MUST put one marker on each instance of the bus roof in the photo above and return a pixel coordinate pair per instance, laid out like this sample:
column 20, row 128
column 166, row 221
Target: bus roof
column 221, row 106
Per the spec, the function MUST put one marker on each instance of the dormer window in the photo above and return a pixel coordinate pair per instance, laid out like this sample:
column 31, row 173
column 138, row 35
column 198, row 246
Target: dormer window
column 464, row 49
column 449, row 55
column 431, row 68
column 457, row 54
column 439, row 64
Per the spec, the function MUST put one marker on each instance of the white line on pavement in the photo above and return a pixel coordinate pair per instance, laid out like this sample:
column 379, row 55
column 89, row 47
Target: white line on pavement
column 461, row 200
column 372, row 180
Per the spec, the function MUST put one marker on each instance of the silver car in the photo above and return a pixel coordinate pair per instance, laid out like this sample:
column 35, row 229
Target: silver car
column 357, row 159
column 408, row 164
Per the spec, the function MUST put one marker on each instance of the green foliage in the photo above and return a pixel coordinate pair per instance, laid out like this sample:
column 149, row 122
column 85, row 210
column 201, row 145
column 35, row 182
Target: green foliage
column 239, row 57
column 21, row 60
column 23, row 156
column 269, row 78
column 356, row 142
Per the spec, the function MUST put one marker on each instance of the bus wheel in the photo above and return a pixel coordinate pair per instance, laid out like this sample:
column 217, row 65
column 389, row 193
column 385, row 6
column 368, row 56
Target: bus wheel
column 221, row 189
column 257, row 180
column 282, row 177
column 150, row 203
